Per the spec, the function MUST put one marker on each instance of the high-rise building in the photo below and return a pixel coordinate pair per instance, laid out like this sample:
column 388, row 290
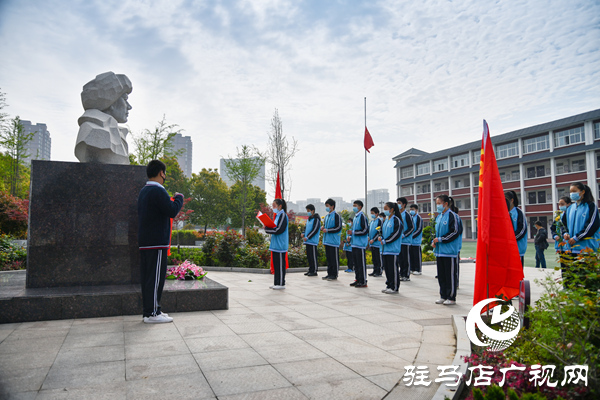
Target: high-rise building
column 258, row 181
column 377, row 198
column 184, row 159
column 538, row 162
column 39, row 148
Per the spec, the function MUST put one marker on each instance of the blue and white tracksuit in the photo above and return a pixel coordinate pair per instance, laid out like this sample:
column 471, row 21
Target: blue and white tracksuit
column 391, row 234
column 279, row 246
column 448, row 230
column 519, row 222
column 312, row 233
column 415, row 246
column 375, row 246
column 359, row 241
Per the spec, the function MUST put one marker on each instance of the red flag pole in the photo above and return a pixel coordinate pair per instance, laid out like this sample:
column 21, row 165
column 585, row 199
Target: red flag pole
column 365, row 208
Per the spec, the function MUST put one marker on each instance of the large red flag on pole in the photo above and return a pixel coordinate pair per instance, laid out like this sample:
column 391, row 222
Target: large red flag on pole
column 368, row 140
column 278, row 188
column 498, row 268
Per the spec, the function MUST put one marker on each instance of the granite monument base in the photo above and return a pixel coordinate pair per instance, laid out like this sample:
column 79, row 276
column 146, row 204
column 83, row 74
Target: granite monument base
column 21, row 304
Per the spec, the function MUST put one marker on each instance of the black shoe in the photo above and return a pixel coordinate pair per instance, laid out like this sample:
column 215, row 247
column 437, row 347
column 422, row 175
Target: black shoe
column 372, row 274
column 436, row 277
column 312, row 274
column 332, row 278
column 354, row 283
column 377, row 275
column 306, row 273
column 325, row 277
column 361, row 285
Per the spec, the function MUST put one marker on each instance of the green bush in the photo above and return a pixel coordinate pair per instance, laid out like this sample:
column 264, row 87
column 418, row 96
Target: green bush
column 196, row 256
column 254, row 238
column 12, row 257
column 495, row 392
column 428, row 256
column 297, row 257
column 247, row 257
column 186, row 237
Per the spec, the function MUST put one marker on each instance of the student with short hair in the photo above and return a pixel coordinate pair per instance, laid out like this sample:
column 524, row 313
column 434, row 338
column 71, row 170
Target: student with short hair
column 279, row 242
column 417, row 237
column 390, row 239
column 348, row 247
column 446, row 248
column 541, row 244
column 374, row 232
column 332, row 227
column 409, row 228
column 558, row 229
column 359, row 240
column 519, row 222
column 311, row 239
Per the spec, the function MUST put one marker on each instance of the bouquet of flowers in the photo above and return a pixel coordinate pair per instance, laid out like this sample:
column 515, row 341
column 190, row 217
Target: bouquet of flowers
column 186, row 271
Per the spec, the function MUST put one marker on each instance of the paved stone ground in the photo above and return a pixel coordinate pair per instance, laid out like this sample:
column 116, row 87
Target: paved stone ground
column 316, row 339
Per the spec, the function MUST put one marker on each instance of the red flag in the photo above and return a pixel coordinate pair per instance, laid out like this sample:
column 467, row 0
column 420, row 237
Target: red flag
column 278, row 188
column 368, row 140
column 498, row 268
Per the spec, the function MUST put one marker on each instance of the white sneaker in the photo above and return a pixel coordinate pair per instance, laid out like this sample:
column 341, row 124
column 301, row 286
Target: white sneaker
column 277, row 287
column 159, row 319
column 440, row 301
column 416, row 273
column 390, row 291
column 385, row 290
column 449, row 303
column 272, row 287
column 165, row 314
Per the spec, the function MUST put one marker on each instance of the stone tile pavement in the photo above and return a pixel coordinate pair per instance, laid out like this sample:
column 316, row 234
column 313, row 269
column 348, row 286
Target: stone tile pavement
column 316, row 339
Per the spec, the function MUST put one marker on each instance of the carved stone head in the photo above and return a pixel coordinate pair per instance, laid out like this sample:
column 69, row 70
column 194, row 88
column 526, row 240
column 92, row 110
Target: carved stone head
column 108, row 92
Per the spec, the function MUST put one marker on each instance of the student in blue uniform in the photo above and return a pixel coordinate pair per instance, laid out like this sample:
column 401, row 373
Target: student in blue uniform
column 557, row 230
column 519, row 222
column 332, row 228
column 446, row 248
column 409, row 228
column 417, row 237
column 582, row 222
column 279, row 242
column 460, row 239
column 390, row 239
column 311, row 239
column 348, row 247
column 374, row 232
column 359, row 239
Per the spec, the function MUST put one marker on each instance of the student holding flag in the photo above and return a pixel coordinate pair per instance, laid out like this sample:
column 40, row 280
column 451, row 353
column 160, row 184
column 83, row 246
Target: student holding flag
column 359, row 240
column 417, row 238
column 409, row 228
column 390, row 240
column 446, row 249
column 311, row 239
column 519, row 222
column 279, row 243
column 374, row 232
column 332, row 227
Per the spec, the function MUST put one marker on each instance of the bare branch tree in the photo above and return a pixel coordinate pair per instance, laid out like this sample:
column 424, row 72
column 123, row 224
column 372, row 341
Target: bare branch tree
column 155, row 144
column 279, row 155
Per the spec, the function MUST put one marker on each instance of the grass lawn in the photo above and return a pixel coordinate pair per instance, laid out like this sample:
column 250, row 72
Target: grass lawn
column 469, row 250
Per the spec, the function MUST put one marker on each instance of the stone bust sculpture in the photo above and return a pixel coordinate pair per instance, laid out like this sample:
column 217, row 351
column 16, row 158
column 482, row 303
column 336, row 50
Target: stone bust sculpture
column 100, row 139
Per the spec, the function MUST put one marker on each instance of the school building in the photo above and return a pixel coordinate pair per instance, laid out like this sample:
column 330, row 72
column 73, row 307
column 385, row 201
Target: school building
column 539, row 163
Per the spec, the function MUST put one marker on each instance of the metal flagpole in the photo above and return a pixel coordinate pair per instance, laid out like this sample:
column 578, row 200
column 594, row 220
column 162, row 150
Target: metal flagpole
column 365, row 208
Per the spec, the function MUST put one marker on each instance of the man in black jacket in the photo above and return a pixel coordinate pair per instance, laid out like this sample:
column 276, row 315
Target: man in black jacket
column 155, row 210
column 541, row 244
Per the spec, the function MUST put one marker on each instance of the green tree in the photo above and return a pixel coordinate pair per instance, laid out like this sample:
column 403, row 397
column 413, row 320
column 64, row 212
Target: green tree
column 254, row 197
column 244, row 169
column 155, row 144
column 14, row 140
column 209, row 198
column 176, row 181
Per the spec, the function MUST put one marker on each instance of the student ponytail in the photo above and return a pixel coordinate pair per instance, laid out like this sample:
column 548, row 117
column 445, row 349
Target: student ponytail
column 452, row 206
column 511, row 195
column 282, row 203
column 587, row 196
column 394, row 207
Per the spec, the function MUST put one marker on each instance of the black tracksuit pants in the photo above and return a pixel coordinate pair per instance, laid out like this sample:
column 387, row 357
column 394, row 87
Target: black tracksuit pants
column 405, row 261
column 153, row 270
column 377, row 261
column 279, row 267
column 360, row 264
column 447, row 271
column 415, row 258
column 350, row 258
column 311, row 255
column 333, row 260
column 390, row 265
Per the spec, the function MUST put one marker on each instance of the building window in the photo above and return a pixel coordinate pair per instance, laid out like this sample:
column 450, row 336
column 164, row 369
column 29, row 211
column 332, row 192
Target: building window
column 423, row 169
column 440, row 186
column 425, row 208
column 440, row 165
column 406, row 190
column 459, row 183
column 570, row 136
column 539, row 197
column 536, row 144
column 597, row 161
column 578, row 165
column 460, row 161
column 596, row 130
column 424, row 188
column 407, row 172
column 476, row 199
column 507, row 150
column 537, row 171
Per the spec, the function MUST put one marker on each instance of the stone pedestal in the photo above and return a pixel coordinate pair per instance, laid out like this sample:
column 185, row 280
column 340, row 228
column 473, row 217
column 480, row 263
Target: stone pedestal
column 83, row 256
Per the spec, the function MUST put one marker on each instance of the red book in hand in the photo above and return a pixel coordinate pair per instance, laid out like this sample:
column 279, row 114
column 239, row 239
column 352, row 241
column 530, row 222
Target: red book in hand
column 265, row 220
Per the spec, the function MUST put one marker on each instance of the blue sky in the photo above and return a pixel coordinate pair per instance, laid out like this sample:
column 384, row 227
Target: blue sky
column 431, row 71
